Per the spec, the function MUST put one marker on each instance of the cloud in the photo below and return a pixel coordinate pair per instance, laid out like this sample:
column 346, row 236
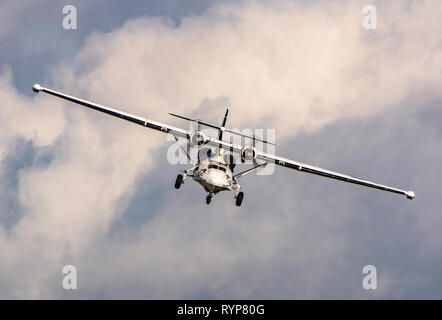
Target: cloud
column 300, row 68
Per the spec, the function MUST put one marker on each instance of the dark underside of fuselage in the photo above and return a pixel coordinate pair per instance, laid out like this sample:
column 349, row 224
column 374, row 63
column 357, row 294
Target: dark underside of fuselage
column 210, row 188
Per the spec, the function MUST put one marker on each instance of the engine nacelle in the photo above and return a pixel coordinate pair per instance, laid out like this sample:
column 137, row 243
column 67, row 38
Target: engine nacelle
column 248, row 154
column 198, row 139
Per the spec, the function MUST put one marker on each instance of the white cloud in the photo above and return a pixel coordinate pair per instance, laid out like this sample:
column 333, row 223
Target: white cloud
column 299, row 66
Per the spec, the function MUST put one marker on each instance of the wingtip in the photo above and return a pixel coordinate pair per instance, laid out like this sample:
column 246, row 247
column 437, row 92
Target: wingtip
column 410, row 195
column 36, row 87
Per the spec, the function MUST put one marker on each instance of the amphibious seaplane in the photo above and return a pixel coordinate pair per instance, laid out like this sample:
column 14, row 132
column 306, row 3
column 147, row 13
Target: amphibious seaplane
column 215, row 171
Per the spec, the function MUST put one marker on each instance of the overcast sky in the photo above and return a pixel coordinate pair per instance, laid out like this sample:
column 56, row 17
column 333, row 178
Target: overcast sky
column 80, row 188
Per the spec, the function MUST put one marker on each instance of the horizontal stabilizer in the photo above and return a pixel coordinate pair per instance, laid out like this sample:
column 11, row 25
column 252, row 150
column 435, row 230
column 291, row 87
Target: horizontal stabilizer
column 220, row 128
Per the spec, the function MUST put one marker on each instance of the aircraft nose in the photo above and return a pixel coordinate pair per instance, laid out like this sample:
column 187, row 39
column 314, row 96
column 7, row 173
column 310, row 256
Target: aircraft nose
column 216, row 177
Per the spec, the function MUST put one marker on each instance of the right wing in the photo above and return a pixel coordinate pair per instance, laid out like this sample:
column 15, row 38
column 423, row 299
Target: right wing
column 116, row 113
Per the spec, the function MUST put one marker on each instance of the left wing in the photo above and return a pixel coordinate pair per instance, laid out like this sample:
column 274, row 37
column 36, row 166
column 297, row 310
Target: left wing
column 303, row 167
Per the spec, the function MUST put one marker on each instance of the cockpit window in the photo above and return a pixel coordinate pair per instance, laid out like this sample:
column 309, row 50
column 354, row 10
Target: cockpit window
column 214, row 166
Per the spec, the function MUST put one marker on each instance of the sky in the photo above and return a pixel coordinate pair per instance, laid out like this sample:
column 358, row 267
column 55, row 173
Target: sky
column 84, row 189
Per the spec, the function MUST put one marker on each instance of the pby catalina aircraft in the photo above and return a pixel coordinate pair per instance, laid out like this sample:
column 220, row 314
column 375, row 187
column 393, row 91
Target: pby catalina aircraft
column 215, row 173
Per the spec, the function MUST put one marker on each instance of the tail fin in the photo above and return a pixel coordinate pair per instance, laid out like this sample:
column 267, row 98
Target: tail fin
column 220, row 134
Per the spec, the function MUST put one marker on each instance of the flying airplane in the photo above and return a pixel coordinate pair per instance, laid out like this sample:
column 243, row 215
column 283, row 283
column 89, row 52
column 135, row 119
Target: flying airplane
column 215, row 171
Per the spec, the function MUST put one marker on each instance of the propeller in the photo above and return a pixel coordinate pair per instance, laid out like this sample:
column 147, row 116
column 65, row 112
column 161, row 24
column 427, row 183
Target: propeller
column 254, row 148
column 231, row 158
column 193, row 141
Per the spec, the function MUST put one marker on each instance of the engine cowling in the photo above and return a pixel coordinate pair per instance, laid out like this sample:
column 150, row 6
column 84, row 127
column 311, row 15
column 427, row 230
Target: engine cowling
column 248, row 154
column 198, row 139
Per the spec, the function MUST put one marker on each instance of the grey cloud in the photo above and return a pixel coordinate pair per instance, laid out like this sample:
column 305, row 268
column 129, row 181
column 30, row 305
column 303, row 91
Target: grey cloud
column 32, row 38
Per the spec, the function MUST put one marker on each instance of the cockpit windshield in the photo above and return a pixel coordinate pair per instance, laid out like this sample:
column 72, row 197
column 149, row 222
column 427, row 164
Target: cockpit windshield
column 214, row 166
